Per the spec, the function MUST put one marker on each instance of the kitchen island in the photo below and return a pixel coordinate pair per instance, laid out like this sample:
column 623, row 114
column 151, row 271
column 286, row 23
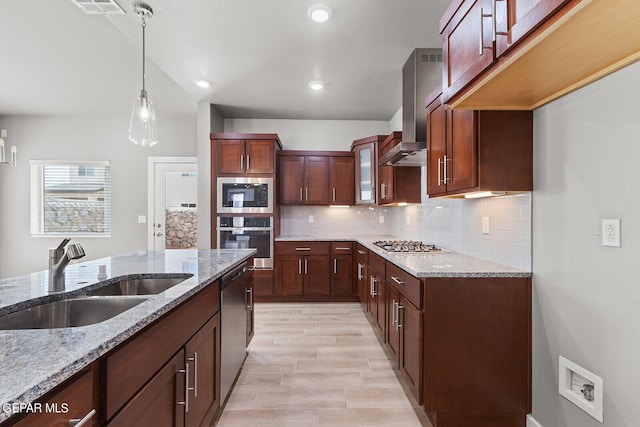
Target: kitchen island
column 35, row 361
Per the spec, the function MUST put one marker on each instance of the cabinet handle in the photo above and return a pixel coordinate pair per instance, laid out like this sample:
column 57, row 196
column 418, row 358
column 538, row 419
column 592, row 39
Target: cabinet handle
column 373, row 285
column 303, row 249
column 300, row 266
column 194, row 359
column 495, row 23
column 360, row 271
column 306, row 192
column 342, row 249
column 335, row 266
column 248, row 167
column 446, row 175
column 383, row 191
column 241, row 162
column 305, row 266
column 439, row 173
column 398, row 281
column 334, row 194
column 79, row 422
column 400, row 325
column 249, row 292
column 361, row 252
column 394, row 320
column 482, row 47
column 301, row 194
column 185, row 371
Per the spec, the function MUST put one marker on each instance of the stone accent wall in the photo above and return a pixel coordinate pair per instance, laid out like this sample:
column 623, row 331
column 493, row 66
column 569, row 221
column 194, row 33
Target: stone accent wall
column 181, row 228
column 74, row 216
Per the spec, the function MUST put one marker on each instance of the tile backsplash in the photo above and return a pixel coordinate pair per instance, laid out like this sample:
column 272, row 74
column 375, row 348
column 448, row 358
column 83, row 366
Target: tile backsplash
column 455, row 224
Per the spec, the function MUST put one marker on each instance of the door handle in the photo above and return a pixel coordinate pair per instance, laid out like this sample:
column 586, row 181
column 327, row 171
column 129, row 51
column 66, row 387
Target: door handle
column 194, row 359
column 482, row 47
column 400, row 325
column 241, row 162
column 79, row 422
column 300, row 266
column 335, row 266
column 185, row 402
column 305, row 266
column 334, row 194
column 248, row 167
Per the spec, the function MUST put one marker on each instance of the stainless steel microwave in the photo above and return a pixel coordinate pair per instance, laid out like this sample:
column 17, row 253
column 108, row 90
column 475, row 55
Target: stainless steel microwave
column 245, row 195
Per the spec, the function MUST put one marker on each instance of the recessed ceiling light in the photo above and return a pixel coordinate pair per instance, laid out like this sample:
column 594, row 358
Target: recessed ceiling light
column 319, row 13
column 316, row 85
column 203, row 83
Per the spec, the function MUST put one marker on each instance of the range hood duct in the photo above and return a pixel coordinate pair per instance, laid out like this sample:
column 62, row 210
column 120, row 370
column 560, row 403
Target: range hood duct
column 421, row 74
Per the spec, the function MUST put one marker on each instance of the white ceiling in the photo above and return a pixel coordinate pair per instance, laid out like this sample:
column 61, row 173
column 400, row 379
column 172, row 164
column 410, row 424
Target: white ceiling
column 259, row 54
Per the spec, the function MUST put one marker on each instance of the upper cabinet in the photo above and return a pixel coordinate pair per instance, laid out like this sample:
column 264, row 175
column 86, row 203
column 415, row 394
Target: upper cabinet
column 244, row 154
column 316, row 178
column 522, row 54
column 471, row 151
column 366, row 160
column 396, row 184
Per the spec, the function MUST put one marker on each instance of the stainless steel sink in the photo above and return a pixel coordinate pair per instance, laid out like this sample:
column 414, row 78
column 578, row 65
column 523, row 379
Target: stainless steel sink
column 70, row 312
column 139, row 286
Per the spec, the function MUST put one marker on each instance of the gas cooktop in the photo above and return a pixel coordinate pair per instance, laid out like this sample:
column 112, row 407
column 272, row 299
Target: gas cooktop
column 407, row 246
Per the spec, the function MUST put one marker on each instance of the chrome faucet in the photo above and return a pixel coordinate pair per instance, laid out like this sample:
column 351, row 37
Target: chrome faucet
column 58, row 261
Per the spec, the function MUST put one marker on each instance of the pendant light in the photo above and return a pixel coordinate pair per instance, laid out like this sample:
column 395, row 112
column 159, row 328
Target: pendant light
column 142, row 127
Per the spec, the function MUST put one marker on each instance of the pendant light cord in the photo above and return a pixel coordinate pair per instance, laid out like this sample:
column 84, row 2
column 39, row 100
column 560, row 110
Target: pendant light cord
column 144, row 26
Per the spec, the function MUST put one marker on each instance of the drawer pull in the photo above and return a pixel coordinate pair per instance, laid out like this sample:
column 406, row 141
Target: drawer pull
column 79, row 422
column 342, row 249
column 361, row 252
column 397, row 280
column 303, row 249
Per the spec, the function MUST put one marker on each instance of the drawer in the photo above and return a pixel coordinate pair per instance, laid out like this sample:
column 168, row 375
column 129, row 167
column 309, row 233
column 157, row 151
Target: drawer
column 409, row 286
column 339, row 248
column 302, row 248
column 362, row 254
column 376, row 262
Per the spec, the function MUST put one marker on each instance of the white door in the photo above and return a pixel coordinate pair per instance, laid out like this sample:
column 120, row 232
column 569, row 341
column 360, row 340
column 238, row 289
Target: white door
column 172, row 203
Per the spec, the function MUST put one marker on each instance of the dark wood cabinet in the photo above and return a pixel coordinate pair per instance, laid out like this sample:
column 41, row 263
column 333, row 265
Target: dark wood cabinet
column 362, row 256
column 366, row 168
column 396, row 184
column 73, row 400
column 477, row 351
column 393, row 333
column 202, row 353
column 302, row 269
column 249, row 301
column 470, row 151
column 161, row 402
column 315, row 178
column 342, row 283
column 240, row 157
column 376, row 300
column 341, row 180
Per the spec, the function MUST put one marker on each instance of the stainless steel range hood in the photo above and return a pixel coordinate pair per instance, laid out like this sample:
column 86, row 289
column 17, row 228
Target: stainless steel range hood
column 420, row 75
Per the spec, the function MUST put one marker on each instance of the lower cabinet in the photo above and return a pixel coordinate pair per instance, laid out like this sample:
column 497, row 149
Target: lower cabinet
column 249, row 305
column 342, row 269
column 361, row 274
column 376, row 302
column 72, row 402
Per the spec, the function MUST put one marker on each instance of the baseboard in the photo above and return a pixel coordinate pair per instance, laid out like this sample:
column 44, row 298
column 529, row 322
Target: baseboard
column 531, row 422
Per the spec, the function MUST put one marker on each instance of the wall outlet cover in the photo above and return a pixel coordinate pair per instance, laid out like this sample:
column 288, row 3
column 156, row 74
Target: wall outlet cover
column 485, row 225
column 611, row 232
column 381, row 219
column 142, row 219
column 310, row 219
column 580, row 387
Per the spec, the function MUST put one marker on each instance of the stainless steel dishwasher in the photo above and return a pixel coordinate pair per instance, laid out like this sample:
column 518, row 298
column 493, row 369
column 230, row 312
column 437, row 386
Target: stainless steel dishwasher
column 233, row 326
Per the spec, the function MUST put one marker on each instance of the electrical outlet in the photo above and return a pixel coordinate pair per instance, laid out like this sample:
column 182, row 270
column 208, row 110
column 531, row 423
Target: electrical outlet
column 142, row 219
column 310, row 219
column 408, row 220
column 485, row 225
column 381, row 219
column 611, row 232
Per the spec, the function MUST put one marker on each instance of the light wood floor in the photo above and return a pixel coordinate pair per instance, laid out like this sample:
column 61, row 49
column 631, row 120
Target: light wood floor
column 317, row 365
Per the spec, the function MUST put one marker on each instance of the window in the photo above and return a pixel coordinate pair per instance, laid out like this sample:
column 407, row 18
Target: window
column 70, row 198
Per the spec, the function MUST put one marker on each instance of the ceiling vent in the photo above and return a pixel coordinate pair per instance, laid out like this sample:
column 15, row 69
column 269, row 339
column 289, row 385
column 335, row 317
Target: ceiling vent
column 99, row 7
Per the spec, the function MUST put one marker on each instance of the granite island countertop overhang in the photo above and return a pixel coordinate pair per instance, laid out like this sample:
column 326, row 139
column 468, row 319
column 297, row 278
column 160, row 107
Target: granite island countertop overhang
column 435, row 264
column 34, row 361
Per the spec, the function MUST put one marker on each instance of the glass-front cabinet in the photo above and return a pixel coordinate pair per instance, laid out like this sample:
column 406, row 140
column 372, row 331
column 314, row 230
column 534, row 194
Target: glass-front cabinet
column 366, row 150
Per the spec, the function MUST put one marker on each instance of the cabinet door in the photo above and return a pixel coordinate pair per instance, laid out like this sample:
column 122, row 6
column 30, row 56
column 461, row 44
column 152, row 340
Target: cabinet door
column 411, row 339
column 259, row 157
column 381, row 302
column 517, row 18
column 289, row 275
column 462, row 155
column 77, row 394
column 161, row 402
column 316, row 275
column 365, row 158
column 467, row 45
column 342, row 275
column 291, row 180
column 341, row 181
column 385, row 175
column 231, row 156
column 393, row 331
column 202, row 356
column 316, row 171
column 436, row 147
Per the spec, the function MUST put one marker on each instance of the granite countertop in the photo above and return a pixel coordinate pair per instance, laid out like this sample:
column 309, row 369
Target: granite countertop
column 434, row 264
column 33, row 361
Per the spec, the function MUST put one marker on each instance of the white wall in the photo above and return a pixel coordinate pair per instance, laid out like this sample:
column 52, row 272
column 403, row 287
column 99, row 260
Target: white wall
column 81, row 138
column 586, row 296
column 311, row 134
